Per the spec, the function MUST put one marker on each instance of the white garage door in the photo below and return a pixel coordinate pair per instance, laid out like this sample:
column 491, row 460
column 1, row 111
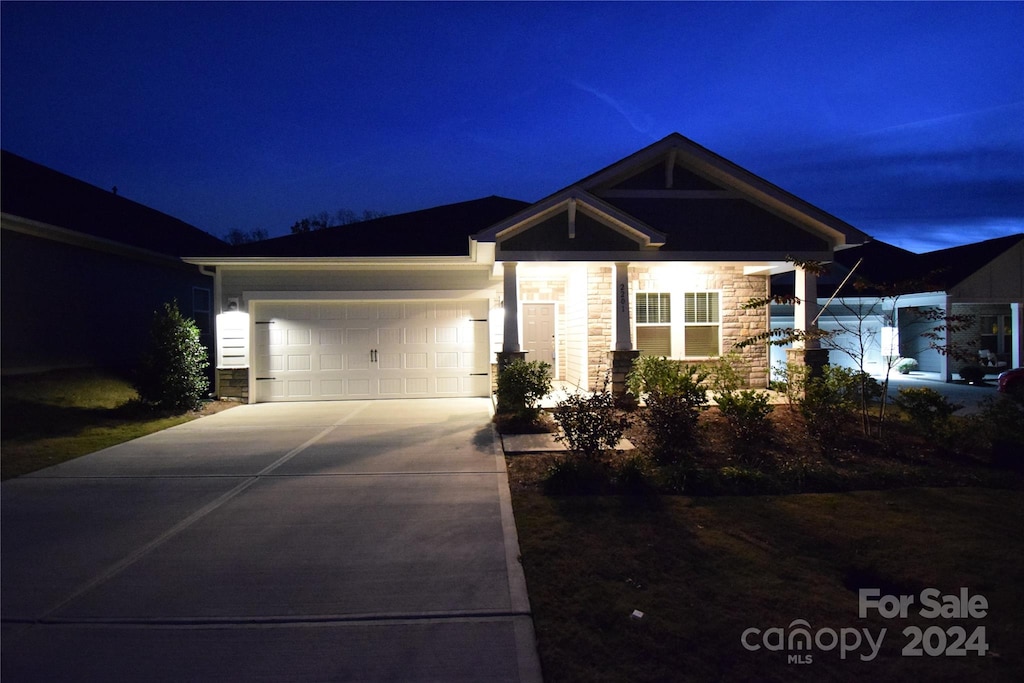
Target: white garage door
column 312, row 351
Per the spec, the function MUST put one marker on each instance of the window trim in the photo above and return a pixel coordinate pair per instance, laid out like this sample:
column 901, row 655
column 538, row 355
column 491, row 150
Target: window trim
column 660, row 324
column 717, row 324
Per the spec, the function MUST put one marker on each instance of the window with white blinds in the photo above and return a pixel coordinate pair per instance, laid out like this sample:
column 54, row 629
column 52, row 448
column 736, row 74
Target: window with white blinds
column 653, row 323
column 702, row 324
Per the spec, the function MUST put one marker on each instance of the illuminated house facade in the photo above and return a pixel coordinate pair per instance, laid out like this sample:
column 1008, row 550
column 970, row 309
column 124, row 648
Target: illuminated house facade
column 653, row 254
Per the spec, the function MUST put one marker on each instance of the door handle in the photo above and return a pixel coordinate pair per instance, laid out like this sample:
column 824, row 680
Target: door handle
column 373, row 355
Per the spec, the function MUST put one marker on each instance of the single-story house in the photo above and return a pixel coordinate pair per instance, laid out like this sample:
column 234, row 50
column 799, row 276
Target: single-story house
column 83, row 270
column 982, row 284
column 655, row 253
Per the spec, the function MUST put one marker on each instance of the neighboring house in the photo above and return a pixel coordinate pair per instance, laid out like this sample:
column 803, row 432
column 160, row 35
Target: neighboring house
column 981, row 282
column 84, row 269
column 655, row 253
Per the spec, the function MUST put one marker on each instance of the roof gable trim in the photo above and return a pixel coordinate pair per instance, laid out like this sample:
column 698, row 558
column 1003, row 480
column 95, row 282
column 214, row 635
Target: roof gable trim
column 574, row 201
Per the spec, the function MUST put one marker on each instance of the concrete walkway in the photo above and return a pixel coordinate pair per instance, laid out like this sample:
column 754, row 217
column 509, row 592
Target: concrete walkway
column 361, row 541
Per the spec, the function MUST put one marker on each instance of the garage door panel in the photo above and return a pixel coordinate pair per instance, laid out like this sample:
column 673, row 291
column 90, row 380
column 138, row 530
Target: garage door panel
column 416, row 361
column 360, row 336
column 357, row 361
column 331, row 361
column 332, row 388
column 358, row 311
column 446, row 360
column 332, row 337
column 339, row 350
column 357, row 388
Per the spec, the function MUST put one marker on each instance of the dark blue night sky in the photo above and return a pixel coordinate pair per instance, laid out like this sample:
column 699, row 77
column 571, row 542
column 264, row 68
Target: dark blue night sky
column 904, row 119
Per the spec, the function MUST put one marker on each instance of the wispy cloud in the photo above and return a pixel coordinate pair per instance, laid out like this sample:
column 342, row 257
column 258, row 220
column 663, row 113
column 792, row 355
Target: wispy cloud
column 639, row 121
column 949, row 118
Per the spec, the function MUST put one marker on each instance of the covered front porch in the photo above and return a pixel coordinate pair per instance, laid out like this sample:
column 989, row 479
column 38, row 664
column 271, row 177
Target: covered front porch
column 589, row 319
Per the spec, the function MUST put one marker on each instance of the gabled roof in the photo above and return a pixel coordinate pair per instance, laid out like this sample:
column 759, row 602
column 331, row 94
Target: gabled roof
column 40, row 194
column 439, row 231
column 707, row 193
column 683, row 201
column 949, row 267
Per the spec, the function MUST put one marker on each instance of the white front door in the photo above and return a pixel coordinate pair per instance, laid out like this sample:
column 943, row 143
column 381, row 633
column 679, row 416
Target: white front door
column 539, row 333
column 312, row 351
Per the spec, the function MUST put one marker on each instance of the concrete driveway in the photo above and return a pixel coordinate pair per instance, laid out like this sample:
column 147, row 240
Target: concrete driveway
column 363, row 541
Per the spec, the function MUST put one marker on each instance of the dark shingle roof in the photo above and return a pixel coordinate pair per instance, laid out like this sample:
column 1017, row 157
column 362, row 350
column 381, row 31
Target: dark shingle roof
column 439, row 231
column 885, row 265
column 30, row 190
column 952, row 266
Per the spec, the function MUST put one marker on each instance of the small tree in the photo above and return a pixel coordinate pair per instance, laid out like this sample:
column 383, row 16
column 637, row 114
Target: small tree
column 171, row 373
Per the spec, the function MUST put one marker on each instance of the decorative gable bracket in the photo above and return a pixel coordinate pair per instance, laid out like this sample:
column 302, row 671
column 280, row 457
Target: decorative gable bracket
column 573, row 221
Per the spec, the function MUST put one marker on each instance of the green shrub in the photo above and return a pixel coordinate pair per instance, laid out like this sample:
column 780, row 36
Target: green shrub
column 590, row 423
column 726, row 373
column 926, row 408
column 632, row 474
column 671, row 422
column 172, row 370
column 521, row 385
column 831, row 398
column 747, row 413
column 791, row 380
column 905, row 365
column 1001, row 421
column 650, row 373
column 746, row 481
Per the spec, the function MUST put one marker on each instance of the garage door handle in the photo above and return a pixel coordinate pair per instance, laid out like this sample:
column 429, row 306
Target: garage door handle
column 373, row 355
column 263, row 378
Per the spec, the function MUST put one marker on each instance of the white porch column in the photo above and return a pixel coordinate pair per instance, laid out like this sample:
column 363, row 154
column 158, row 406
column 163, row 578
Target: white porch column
column 510, row 341
column 622, row 341
column 807, row 307
column 1017, row 327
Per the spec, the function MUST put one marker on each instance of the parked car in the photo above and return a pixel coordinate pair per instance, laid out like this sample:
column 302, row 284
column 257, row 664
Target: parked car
column 1012, row 382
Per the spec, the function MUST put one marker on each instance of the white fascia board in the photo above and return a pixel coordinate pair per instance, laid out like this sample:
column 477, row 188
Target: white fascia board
column 335, row 262
column 653, row 255
column 249, row 296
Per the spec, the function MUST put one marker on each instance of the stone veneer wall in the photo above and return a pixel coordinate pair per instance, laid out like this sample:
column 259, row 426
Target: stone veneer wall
column 233, row 383
column 736, row 289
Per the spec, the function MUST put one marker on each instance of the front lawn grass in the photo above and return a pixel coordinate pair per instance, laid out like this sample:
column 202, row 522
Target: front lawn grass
column 702, row 570
column 52, row 417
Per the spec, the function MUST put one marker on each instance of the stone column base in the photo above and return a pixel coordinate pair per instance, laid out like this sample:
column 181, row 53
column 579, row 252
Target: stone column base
column 621, row 363
column 506, row 357
column 815, row 359
column 233, row 383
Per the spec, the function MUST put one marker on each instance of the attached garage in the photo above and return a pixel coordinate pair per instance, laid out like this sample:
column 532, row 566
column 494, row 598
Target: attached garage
column 337, row 350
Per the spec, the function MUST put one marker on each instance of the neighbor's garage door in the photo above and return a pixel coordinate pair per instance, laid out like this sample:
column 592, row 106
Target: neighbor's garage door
column 358, row 350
